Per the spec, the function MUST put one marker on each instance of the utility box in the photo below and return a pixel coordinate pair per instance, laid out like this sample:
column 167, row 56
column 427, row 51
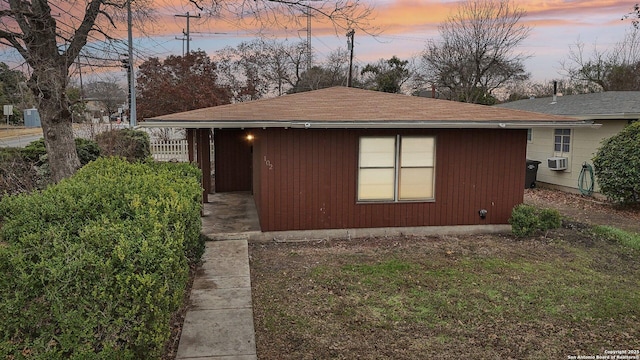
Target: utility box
column 532, row 174
column 32, row 118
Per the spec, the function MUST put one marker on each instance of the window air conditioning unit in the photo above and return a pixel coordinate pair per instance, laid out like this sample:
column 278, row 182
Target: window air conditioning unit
column 557, row 163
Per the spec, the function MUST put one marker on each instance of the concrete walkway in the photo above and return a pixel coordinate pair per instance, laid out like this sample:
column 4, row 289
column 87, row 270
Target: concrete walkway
column 219, row 322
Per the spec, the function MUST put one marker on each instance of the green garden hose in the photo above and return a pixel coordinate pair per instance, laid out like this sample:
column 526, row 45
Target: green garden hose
column 586, row 180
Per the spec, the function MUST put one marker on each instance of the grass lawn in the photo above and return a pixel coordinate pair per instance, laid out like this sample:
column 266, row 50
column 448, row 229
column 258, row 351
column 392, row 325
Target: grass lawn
column 476, row 297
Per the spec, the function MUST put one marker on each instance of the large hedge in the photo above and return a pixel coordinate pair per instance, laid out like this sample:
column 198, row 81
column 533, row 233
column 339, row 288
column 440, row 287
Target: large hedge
column 617, row 165
column 93, row 267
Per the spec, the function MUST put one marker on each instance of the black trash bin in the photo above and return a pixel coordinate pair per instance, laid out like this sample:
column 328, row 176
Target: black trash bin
column 532, row 173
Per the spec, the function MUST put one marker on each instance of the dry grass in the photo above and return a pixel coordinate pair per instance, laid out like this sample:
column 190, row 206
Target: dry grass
column 15, row 131
column 479, row 297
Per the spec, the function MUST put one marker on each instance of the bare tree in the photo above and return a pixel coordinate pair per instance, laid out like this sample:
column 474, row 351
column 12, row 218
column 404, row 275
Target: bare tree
column 477, row 50
column 332, row 72
column 617, row 69
column 634, row 15
column 106, row 92
column 50, row 34
column 260, row 67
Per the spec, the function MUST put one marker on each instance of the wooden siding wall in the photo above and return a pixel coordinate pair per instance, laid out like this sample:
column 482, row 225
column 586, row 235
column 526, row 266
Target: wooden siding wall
column 307, row 179
column 232, row 160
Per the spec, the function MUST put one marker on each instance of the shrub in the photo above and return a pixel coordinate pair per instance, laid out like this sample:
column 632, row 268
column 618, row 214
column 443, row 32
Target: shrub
column 617, row 165
column 88, row 150
column 94, row 266
column 36, row 151
column 16, row 174
column 34, row 157
column 549, row 219
column 134, row 145
column 527, row 220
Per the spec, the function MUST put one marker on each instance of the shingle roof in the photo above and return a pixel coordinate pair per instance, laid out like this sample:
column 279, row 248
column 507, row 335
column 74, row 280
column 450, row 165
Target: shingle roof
column 351, row 107
column 611, row 104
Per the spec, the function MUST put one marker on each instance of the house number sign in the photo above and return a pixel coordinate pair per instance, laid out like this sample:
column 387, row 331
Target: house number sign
column 268, row 163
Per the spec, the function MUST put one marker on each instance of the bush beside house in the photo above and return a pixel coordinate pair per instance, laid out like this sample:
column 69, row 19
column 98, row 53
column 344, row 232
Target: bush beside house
column 93, row 267
column 527, row 220
column 617, row 165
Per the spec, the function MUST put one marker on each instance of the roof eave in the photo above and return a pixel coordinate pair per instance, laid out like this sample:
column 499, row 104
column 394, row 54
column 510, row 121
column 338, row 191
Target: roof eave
column 618, row 116
column 368, row 124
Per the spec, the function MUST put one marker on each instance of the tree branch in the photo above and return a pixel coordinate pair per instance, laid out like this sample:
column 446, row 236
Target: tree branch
column 80, row 36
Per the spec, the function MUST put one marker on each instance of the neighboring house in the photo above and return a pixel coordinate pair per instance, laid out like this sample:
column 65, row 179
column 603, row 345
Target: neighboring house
column 94, row 109
column 613, row 109
column 342, row 158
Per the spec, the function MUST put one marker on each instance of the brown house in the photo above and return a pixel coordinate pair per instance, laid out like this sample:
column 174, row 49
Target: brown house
column 342, row 158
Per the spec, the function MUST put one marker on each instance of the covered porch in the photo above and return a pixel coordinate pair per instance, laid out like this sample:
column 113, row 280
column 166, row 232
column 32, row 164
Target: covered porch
column 232, row 170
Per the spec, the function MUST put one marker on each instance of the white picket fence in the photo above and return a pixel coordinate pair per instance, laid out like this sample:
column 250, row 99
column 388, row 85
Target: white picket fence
column 172, row 150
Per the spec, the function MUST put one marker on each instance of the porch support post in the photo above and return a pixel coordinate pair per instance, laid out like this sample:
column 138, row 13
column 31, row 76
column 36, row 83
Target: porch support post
column 191, row 142
column 204, row 160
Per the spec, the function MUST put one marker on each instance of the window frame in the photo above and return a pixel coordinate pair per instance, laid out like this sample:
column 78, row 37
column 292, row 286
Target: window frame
column 398, row 169
column 565, row 140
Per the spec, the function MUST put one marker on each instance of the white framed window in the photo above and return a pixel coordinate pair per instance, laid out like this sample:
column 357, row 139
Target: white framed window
column 396, row 168
column 561, row 141
column 529, row 135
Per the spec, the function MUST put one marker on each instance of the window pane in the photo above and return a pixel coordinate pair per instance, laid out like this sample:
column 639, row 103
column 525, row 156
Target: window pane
column 565, row 148
column 556, row 147
column 416, row 151
column 558, row 139
column 377, row 152
column 376, row 184
column 416, row 183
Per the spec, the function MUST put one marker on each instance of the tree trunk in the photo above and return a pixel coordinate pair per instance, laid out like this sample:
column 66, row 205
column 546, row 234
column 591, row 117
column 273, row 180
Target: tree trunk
column 61, row 148
column 49, row 87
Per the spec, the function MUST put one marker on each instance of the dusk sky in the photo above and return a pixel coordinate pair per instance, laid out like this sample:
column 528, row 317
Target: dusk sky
column 404, row 26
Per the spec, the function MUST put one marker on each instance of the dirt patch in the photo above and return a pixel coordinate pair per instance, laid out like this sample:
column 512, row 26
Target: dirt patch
column 482, row 296
column 586, row 209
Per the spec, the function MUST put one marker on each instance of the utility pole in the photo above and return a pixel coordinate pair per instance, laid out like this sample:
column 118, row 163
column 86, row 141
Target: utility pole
column 181, row 39
column 81, row 87
column 308, row 40
column 350, row 34
column 187, row 33
column 132, row 83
